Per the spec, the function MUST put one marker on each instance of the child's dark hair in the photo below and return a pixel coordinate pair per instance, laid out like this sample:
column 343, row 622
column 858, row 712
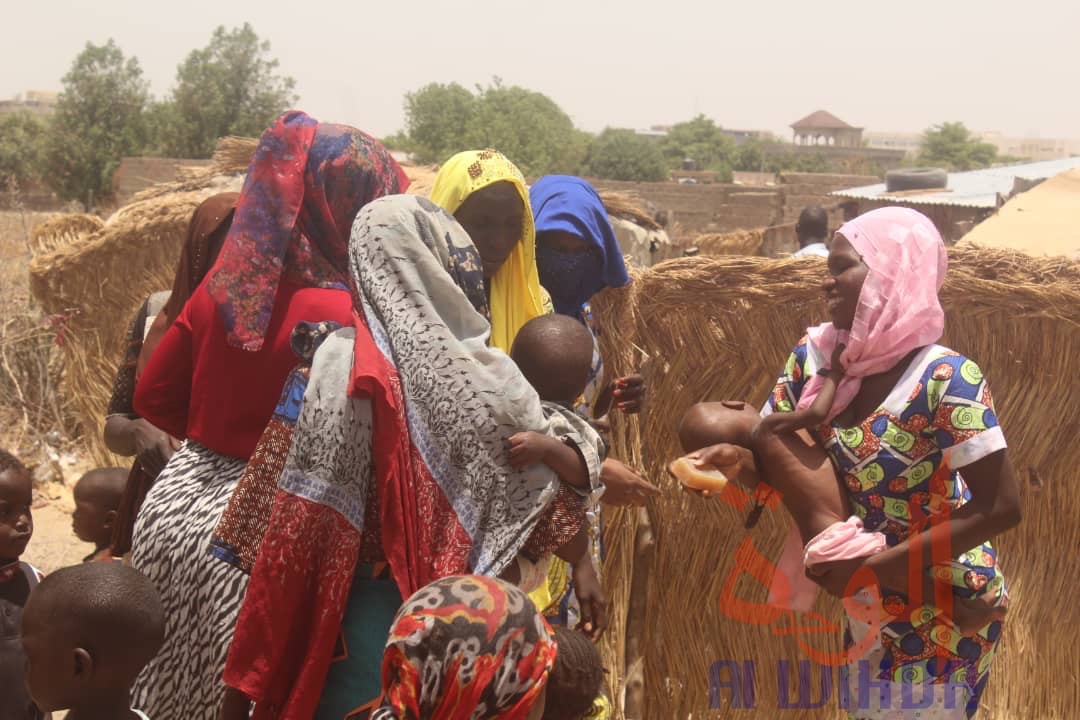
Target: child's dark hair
column 105, row 485
column 554, row 353
column 577, row 678
column 110, row 610
column 10, row 462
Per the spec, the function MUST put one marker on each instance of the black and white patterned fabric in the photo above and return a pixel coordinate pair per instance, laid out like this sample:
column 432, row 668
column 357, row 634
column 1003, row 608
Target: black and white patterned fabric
column 201, row 595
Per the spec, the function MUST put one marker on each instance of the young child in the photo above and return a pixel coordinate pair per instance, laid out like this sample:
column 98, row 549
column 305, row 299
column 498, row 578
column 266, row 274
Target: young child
column 17, row 580
column 97, row 500
column 554, row 353
column 88, row 631
column 787, row 460
column 576, row 682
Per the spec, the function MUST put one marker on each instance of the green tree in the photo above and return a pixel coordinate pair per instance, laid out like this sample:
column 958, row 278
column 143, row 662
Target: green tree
column 98, row 120
column 230, row 87
column 624, row 155
column 526, row 126
column 397, row 141
column 702, row 141
column 437, row 121
column 529, row 128
column 952, row 146
column 22, row 144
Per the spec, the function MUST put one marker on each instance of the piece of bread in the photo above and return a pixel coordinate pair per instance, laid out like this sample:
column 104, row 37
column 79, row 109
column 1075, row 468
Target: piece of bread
column 706, row 478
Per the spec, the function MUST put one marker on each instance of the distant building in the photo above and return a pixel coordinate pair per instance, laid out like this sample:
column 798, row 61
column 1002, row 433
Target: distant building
column 1032, row 148
column 654, row 132
column 35, row 102
column 741, row 137
column 824, row 128
column 1023, row 148
column 908, row 142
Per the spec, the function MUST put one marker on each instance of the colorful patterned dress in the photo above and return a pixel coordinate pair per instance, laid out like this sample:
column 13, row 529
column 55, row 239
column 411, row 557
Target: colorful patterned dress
column 889, row 463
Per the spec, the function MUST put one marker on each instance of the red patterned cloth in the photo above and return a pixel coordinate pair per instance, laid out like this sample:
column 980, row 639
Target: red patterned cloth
column 401, row 443
column 303, row 189
column 463, row 648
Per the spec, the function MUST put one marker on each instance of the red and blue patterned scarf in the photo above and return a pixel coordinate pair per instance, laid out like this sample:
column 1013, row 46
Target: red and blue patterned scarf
column 304, row 187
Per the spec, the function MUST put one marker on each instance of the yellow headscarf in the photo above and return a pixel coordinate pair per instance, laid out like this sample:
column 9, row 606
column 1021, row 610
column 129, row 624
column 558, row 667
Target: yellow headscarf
column 516, row 296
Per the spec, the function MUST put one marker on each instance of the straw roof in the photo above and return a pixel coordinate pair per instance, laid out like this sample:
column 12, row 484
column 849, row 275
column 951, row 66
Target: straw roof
column 711, row 328
column 627, row 207
column 736, row 242
column 1042, row 221
column 94, row 276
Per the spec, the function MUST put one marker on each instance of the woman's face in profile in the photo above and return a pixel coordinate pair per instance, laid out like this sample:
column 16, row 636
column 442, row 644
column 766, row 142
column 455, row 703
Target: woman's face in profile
column 843, row 284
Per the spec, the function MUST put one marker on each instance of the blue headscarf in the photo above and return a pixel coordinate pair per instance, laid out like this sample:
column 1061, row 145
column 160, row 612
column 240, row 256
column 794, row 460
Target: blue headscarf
column 569, row 204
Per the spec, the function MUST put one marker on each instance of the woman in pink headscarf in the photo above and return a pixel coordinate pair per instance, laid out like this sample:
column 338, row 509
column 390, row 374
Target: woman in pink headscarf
column 907, row 415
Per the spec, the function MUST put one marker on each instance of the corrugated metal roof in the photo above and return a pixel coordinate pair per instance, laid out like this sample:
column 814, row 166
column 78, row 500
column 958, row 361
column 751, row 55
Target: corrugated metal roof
column 975, row 188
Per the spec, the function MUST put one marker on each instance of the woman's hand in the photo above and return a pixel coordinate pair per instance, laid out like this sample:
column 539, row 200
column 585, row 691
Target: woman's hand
column 629, row 393
column 153, row 447
column 835, row 577
column 623, row 486
column 724, row 457
column 590, row 597
column 235, row 705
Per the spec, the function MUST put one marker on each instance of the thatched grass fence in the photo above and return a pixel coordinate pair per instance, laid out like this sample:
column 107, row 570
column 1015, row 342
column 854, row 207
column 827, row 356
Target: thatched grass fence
column 721, row 328
column 701, row 328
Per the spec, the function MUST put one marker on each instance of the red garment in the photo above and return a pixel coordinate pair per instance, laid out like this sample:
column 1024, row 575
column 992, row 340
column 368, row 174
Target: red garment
column 197, row 386
column 305, row 185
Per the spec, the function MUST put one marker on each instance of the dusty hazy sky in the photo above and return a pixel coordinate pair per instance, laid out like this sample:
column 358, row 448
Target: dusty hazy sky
column 900, row 65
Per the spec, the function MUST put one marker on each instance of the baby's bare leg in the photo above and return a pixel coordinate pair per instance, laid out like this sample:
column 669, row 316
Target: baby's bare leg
column 797, row 466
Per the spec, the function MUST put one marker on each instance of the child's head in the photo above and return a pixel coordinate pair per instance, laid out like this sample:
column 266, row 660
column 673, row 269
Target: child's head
column 97, row 500
column 554, row 353
column 16, row 496
column 712, row 423
column 88, row 631
column 577, row 678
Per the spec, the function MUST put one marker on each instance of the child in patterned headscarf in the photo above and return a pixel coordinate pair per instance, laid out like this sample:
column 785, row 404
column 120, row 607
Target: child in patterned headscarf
column 467, row 648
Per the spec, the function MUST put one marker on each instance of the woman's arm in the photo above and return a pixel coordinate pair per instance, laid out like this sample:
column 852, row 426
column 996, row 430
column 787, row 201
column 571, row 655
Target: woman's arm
column 121, row 410
column 128, row 436
column 163, row 394
column 994, row 508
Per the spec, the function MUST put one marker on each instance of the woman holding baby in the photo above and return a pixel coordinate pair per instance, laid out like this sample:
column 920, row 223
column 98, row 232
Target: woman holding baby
column 909, row 416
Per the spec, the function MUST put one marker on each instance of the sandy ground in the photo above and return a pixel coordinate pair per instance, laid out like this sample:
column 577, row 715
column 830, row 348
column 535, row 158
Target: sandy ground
column 54, row 545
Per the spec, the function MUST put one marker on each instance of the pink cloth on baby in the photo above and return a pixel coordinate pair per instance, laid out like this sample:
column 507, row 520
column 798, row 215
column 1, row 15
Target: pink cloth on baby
column 898, row 308
column 845, row 540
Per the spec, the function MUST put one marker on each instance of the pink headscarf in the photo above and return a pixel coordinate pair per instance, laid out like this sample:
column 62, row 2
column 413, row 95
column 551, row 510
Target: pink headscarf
column 898, row 308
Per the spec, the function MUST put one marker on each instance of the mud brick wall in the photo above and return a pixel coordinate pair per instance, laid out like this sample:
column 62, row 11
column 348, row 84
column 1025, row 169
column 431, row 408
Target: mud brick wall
column 135, row 174
column 708, row 208
column 718, row 208
column 802, row 189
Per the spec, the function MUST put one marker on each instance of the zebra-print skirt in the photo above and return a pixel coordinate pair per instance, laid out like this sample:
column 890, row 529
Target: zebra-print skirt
column 202, row 596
